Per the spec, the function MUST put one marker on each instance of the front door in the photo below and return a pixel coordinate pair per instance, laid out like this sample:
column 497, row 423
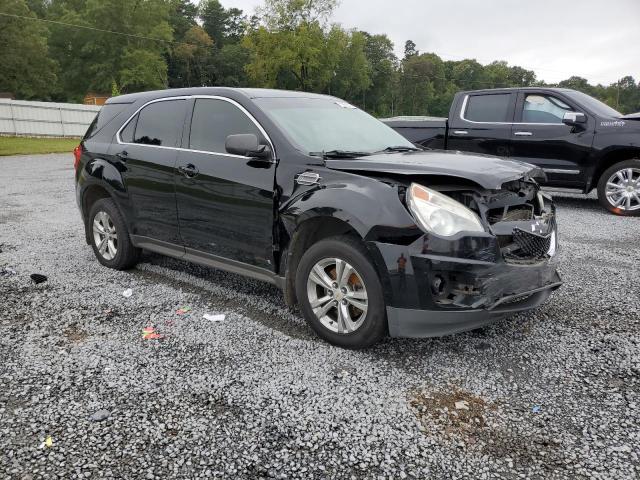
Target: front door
column 484, row 124
column 146, row 151
column 225, row 202
column 539, row 137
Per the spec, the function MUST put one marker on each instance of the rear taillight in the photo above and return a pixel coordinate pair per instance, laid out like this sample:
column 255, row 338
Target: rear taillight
column 77, row 153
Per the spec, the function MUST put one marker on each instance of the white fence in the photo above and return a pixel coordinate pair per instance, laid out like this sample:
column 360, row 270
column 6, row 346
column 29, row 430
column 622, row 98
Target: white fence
column 45, row 119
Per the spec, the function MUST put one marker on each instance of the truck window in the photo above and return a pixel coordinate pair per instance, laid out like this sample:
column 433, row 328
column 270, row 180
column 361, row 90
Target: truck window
column 488, row 108
column 543, row 109
column 213, row 121
column 160, row 123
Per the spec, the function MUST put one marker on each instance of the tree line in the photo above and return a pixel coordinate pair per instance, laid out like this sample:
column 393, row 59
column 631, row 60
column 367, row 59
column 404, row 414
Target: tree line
column 62, row 49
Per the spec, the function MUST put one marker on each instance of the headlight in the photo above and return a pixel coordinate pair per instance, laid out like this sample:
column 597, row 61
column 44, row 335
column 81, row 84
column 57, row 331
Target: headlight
column 440, row 214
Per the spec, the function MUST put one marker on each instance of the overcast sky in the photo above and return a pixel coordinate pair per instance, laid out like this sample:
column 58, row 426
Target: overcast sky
column 596, row 39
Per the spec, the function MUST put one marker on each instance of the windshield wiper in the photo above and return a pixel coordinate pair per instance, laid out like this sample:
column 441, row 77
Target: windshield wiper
column 401, row 148
column 339, row 154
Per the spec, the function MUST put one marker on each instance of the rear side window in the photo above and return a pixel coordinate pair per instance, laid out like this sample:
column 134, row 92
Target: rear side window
column 158, row 123
column 488, row 108
column 214, row 120
column 107, row 113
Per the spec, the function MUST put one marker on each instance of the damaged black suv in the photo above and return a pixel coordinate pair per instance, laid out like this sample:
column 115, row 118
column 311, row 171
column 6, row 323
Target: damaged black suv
column 367, row 234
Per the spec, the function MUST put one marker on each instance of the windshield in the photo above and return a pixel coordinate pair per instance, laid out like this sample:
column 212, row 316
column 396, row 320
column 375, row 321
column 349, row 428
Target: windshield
column 595, row 106
column 319, row 125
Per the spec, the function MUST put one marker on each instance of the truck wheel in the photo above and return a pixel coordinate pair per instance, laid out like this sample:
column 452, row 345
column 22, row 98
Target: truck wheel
column 340, row 294
column 619, row 188
column 109, row 236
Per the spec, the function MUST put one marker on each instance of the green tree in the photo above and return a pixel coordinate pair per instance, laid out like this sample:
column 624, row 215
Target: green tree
column 26, row 69
column 291, row 14
column 192, row 60
column 287, row 59
column 422, row 77
column 182, row 16
column 92, row 60
column 381, row 66
column 223, row 25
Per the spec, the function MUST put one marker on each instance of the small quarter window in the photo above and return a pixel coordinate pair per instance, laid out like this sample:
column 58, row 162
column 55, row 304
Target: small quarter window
column 544, row 109
column 126, row 135
column 488, row 108
column 160, row 123
column 213, row 121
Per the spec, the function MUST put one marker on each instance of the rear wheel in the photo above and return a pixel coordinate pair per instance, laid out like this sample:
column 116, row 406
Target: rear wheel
column 340, row 294
column 109, row 236
column 619, row 188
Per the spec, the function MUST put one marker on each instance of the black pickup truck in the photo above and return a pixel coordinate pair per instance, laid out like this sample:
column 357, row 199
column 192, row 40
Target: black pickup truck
column 579, row 142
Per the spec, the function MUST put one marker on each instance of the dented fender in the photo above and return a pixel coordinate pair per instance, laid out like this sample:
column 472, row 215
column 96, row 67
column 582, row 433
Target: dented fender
column 351, row 201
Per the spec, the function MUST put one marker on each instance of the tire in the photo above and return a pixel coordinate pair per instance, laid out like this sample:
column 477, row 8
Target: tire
column 627, row 175
column 355, row 327
column 117, row 251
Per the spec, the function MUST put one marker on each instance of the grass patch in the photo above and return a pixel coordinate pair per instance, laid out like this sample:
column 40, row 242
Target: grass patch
column 31, row 145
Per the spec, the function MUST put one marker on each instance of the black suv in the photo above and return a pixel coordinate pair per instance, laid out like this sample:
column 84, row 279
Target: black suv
column 366, row 233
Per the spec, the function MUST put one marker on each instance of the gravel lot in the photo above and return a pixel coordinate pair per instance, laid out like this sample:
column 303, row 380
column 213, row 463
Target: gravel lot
column 549, row 394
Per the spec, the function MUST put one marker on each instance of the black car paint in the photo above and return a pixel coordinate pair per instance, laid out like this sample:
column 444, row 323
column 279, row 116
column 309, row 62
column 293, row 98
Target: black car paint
column 572, row 156
column 247, row 216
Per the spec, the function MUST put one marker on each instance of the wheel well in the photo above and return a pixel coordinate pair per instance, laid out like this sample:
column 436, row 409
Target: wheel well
column 91, row 196
column 611, row 159
column 307, row 234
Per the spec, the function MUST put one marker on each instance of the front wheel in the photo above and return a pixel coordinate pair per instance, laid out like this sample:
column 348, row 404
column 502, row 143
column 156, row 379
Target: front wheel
column 340, row 294
column 619, row 188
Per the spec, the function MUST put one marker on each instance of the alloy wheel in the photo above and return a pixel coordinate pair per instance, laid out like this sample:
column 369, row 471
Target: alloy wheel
column 337, row 295
column 623, row 189
column 105, row 236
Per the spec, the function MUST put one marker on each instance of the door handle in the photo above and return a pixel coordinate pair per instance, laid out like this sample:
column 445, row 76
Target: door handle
column 460, row 132
column 188, row 170
column 123, row 155
column 523, row 134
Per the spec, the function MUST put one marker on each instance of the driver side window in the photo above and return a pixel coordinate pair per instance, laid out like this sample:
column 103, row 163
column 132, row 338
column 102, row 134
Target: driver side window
column 543, row 109
column 213, row 121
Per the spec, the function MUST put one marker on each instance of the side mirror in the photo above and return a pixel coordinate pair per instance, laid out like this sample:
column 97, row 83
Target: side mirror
column 246, row 144
column 574, row 118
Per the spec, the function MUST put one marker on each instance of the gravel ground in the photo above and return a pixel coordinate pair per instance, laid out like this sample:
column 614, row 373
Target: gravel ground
column 549, row 394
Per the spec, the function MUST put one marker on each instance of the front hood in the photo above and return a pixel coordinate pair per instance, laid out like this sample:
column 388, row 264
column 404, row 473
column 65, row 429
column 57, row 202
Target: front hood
column 487, row 171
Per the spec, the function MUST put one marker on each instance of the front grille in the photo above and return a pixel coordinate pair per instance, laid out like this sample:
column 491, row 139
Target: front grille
column 530, row 244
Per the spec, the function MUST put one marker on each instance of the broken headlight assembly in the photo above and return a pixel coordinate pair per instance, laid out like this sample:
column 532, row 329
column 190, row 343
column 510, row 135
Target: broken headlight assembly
column 440, row 214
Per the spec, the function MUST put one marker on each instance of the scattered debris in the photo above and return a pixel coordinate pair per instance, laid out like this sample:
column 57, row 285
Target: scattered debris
column 213, row 317
column 150, row 333
column 127, row 293
column 484, row 346
column 100, row 415
column 453, row 411
column 7, row 272
column 536, row 409
column 343, row 371
column 183, row 310
column 48, row 442
column 75, row 333
column 38, row 278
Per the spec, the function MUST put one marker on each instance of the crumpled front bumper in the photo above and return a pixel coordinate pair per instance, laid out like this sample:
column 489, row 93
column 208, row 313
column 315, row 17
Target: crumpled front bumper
column 407, row 322
column 462, row 289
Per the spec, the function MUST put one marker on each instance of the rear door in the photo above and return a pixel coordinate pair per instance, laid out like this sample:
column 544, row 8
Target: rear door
column 225, row 201
column 483, row 124
column 540, row 137
column 146, row 150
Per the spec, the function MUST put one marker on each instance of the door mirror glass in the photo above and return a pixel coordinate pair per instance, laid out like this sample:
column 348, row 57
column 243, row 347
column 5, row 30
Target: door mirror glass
column 246, row 144
column 574, row 118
